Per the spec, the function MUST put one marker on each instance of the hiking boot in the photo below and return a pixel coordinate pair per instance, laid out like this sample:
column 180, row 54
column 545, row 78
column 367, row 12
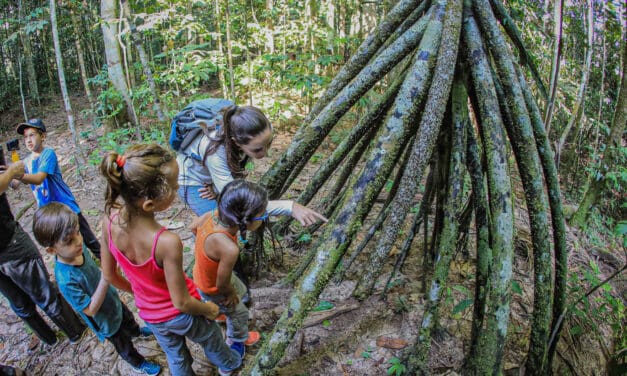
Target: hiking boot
column 148, row 368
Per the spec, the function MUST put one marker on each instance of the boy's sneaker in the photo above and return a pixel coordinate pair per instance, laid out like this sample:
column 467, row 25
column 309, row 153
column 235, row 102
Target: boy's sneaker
column 148, row 368
column 221, row 318
column 239, row 347
column 253, row 337
column 145, row 331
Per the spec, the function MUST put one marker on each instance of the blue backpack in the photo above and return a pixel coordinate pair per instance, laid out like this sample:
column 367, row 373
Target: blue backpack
column 185, row 125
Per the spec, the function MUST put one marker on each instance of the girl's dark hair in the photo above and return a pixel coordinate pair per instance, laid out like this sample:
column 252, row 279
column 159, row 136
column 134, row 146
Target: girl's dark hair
column 239, row 202
column 53, row 223
column 135, row 175
column 239, row 124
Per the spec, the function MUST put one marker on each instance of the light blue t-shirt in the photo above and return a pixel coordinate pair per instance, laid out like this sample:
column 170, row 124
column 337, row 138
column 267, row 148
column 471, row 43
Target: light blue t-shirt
column 53, row 188
column 78, row 284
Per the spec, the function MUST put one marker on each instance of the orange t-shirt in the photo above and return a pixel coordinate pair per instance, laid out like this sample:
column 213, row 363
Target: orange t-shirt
column 205, row 269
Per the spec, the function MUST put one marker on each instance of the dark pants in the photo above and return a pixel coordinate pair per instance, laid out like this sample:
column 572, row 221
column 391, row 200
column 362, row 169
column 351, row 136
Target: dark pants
column 89, row 238
column 25, row 282
column 121, row 340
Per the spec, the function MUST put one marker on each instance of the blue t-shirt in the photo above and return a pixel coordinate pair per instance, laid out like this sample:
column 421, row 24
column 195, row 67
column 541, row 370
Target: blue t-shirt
column 77, row 284
column 53, row 188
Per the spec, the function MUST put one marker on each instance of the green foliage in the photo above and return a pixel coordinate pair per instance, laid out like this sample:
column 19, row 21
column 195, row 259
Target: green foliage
column 121, row 138
column 323, row 305
column 603, row 307
column 621, row 231
column 304, row 238
column 400, row 304
column 397, row 368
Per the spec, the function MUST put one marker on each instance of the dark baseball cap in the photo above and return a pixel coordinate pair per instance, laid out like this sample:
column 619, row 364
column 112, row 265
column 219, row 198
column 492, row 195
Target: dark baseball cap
column 32, row 123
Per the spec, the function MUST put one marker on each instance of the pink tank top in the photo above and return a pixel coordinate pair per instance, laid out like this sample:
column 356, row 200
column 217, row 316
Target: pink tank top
column 152, row 296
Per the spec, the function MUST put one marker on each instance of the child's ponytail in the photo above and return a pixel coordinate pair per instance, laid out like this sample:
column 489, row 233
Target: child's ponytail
column 113, row 173
column 239, row 202
column 135, row 175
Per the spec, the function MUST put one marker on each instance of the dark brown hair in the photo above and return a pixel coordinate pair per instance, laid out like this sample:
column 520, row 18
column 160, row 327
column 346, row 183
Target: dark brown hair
column 137, row 174
column 239, row 202
column 239, row 124
column 54, row 223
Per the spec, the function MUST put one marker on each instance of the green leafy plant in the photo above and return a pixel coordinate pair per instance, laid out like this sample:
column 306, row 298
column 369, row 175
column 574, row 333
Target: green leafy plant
column 397, row 368
column 323, row 305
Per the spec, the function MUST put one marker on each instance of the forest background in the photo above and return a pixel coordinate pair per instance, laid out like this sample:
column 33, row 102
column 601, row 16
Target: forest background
column 124, row 68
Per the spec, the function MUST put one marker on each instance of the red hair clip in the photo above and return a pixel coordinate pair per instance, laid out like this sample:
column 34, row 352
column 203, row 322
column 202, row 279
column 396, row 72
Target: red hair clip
column 120, row 161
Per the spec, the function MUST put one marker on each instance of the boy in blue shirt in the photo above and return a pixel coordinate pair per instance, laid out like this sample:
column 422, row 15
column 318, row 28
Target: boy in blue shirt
column 56, row 227
column 44, row 176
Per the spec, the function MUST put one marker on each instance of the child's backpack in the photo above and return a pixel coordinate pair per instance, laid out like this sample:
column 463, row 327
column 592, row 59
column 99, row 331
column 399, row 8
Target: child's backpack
column 185, row 127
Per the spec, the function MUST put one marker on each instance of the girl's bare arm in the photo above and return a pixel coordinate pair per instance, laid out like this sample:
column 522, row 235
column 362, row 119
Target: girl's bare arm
column 107, row 262
column 169, row 253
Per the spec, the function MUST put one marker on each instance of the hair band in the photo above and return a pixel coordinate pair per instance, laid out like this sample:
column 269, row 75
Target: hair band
column 120, row 161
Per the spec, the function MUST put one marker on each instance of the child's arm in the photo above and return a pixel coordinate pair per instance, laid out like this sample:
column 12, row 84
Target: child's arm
column 108, row 264
column 98, row 297
column 34, row 179
column 227, row 252
column 169, row 253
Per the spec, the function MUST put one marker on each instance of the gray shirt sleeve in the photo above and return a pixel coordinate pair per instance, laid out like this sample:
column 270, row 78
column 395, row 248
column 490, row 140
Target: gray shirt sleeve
column 280, row 207
column 219, row 169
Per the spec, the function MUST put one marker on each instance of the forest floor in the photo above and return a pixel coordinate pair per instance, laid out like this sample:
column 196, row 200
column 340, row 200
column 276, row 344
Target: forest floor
column 352, row 338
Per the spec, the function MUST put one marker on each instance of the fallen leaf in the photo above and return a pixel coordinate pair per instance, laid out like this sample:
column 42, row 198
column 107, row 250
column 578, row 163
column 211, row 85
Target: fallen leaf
column 391, row 343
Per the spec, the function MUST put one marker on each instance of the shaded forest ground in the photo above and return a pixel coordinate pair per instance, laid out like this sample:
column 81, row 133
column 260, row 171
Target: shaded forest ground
column 352, row 338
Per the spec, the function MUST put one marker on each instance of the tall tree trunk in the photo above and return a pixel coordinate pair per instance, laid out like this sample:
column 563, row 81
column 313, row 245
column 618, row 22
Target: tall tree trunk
column 229, row 51
column 597, row 128
column 81, row 59
column 78, row 152
column 48, row 63
column 581, row 94
column 220, row 58
column 555, row 61
column 597, row 179
column 19, row 63
column 135, row 37
column 108, row 11
column 27, row 53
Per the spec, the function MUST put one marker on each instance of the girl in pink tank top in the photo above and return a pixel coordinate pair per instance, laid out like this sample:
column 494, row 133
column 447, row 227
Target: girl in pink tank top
column 141, row 183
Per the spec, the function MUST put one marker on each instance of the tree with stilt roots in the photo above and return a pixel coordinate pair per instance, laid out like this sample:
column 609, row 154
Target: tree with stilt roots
column 457, row 102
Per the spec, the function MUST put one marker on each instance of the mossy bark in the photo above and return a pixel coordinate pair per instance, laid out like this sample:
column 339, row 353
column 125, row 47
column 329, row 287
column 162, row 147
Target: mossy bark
column 309, row 138
column 557, row 214
column 358, row 201
column 445, row 23
column 418, row 360
column 368, row 48
column 530, row 170
column 486, row 354
column 514, row 34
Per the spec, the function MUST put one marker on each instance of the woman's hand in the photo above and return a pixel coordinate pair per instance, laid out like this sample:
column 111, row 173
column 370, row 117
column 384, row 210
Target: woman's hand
column 306, row 216
column 207, row 192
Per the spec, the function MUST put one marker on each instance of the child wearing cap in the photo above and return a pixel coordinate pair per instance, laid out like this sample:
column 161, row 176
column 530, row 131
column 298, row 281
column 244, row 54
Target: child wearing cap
column 43, row 174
